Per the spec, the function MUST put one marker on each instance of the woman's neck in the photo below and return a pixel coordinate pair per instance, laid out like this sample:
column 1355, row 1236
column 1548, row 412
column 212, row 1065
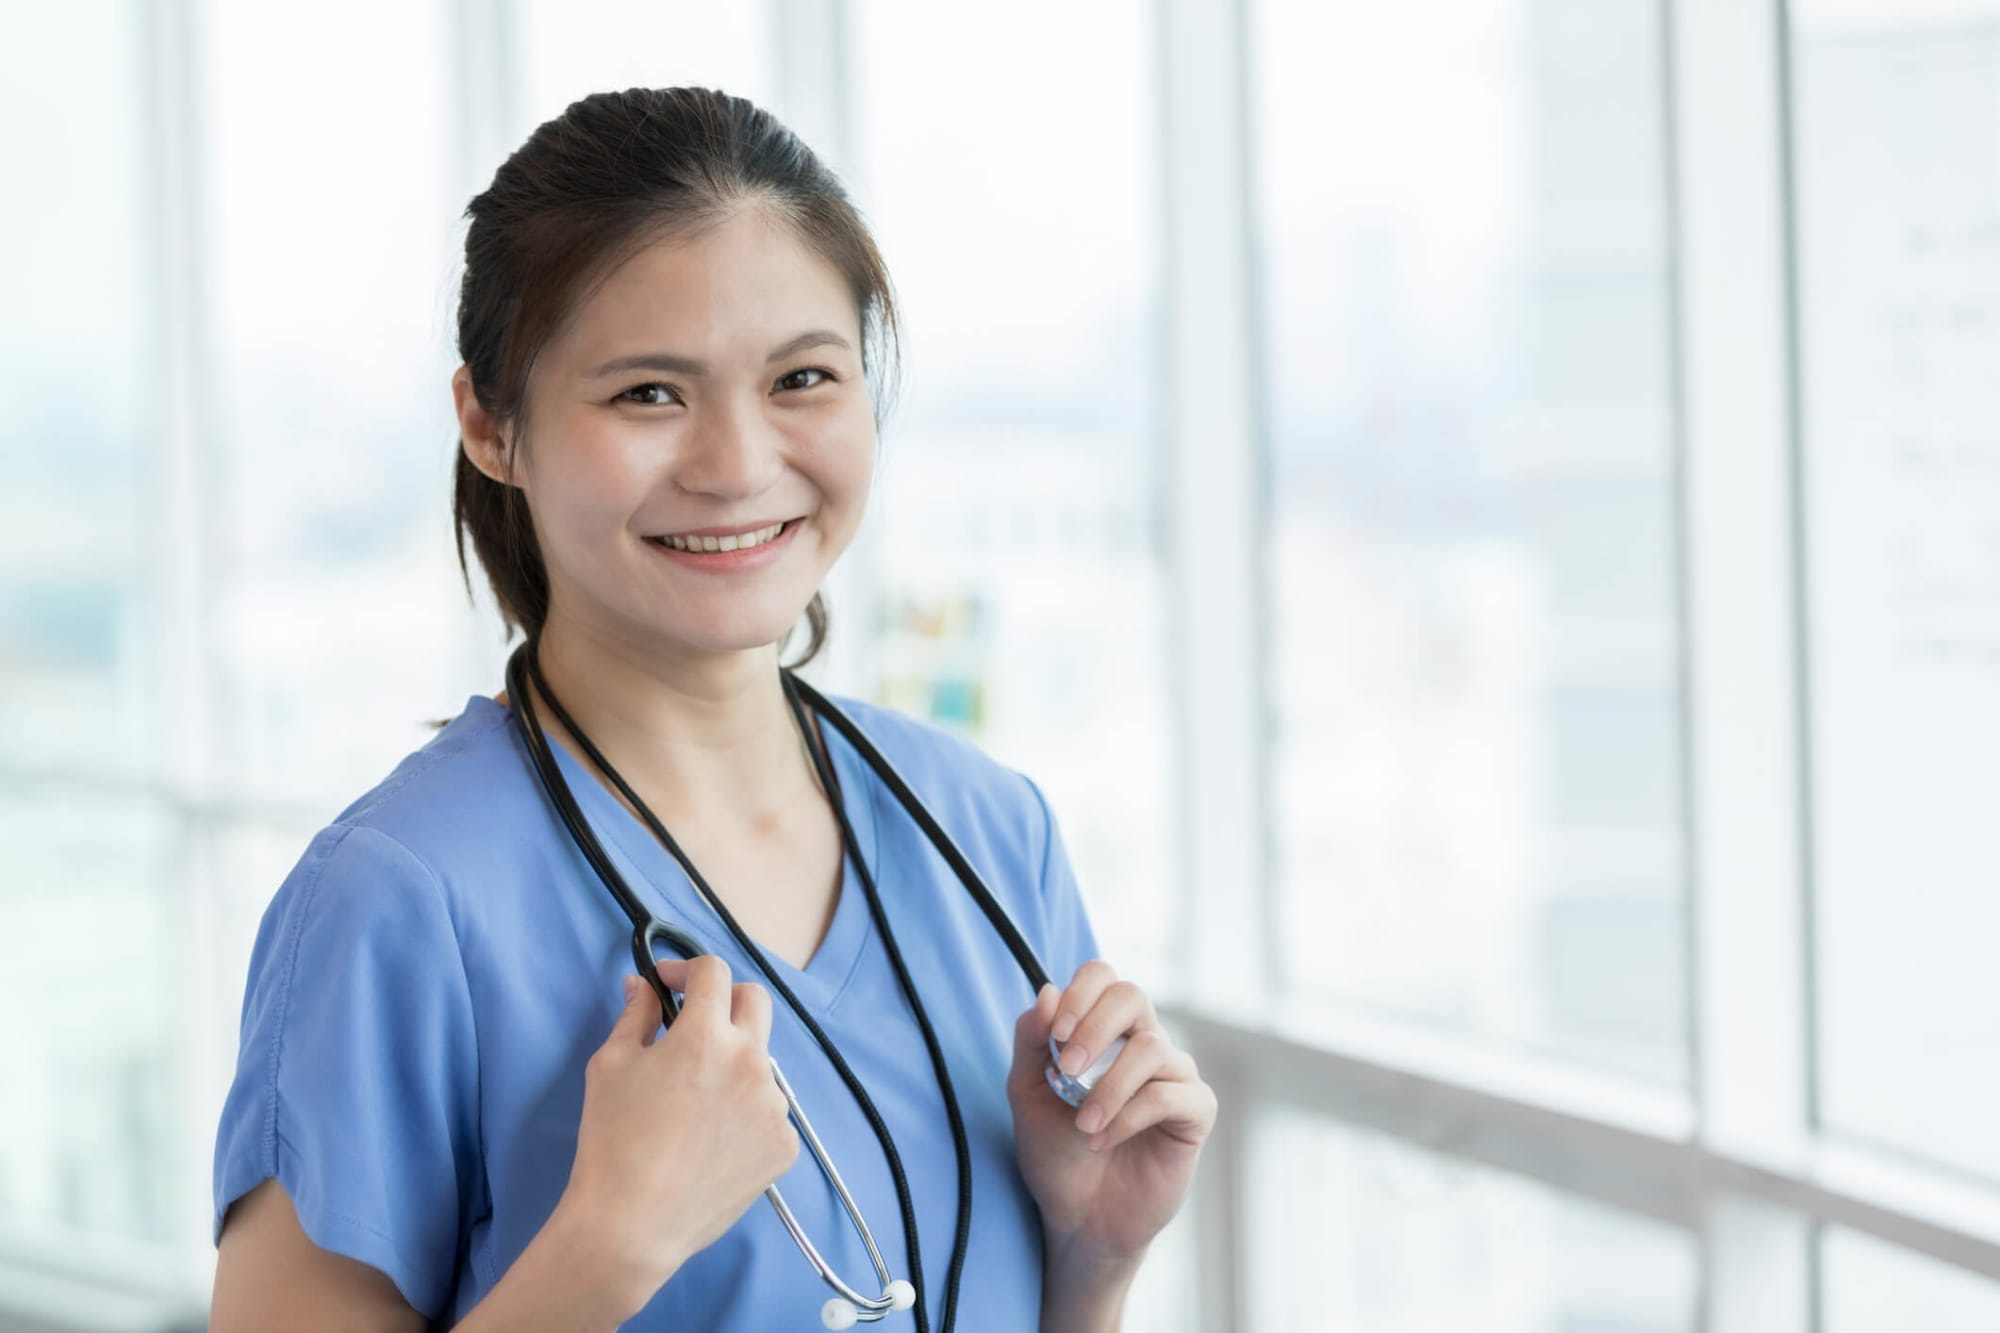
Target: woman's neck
column 705, row 739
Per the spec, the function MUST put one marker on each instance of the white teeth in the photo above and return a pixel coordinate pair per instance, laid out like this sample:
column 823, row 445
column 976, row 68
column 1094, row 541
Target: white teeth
column 748, row 539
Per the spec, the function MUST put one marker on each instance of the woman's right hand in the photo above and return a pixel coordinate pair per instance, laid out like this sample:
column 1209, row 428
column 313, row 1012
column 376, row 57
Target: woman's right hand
column 681, row 1130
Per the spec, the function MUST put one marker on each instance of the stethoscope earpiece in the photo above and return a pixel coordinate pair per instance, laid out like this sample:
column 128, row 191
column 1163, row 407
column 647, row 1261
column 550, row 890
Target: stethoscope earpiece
column 838, row 1313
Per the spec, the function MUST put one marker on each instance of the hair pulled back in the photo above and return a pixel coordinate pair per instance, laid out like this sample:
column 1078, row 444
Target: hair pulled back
column 613, row 173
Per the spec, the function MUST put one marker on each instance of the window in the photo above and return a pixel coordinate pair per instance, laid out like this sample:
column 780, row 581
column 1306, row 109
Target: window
column 1476, row 764
column 90, row 889
column 1355, row 1229
column 1870, row 1285
column 77, row 612
column 332, row 394
column 89, row 937
column 1899, row 291
column 1014, row 556
column 569, row 49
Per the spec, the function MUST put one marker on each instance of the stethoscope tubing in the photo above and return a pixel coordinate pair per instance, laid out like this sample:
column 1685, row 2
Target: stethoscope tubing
column 798, row 1233
column 1031, row 966
column 649, row 929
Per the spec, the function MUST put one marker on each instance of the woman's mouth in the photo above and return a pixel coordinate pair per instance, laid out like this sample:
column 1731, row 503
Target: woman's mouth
column 750, row 551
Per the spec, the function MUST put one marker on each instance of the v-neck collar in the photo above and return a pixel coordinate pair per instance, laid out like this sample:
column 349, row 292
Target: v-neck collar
column 665, row 889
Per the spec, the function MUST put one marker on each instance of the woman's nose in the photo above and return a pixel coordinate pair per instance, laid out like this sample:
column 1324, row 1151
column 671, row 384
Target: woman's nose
column 731, row 450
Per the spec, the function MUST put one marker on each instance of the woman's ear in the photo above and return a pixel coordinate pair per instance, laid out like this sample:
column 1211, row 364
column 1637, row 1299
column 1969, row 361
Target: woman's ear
column 479, row 435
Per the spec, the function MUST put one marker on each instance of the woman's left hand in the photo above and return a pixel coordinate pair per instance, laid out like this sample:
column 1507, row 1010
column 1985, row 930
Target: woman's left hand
column 1107, row 1175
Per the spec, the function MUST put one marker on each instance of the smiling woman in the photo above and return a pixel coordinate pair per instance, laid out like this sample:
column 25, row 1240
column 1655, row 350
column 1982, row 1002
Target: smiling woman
column 522, row 283
column 755, row 410
column 676, row 335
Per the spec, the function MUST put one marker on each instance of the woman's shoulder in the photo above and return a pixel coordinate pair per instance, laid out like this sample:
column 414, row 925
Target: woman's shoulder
column 461, row 790
column 1000, row 819
column 905, row 739
column 952, row 774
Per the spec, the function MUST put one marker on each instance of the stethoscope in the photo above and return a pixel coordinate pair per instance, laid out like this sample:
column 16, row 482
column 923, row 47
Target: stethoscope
column 648, row 930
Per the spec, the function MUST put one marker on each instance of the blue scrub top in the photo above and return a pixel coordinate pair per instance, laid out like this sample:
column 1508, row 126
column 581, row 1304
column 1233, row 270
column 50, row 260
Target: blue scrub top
column 432, row 975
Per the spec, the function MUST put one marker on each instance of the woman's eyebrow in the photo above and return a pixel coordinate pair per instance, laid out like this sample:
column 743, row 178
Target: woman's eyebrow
column 687, row 365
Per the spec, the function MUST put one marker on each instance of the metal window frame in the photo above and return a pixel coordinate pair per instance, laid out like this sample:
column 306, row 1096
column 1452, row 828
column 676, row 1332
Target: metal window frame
column 1214, row 498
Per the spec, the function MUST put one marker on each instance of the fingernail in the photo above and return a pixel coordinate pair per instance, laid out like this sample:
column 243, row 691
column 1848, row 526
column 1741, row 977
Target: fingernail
column 1095, row 1142
column 1090, row 1120
column 1074, row 1060
column 1065, row 1024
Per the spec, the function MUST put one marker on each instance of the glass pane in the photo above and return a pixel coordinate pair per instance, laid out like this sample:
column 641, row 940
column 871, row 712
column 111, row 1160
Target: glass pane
column 333, row 249
column 1898, row 178
column 573, row 47
column 1355, row 1230
column 1869, row 1285
column 88, row 1139
column 1019, row 575
column 1476, row 751
column 78, row 655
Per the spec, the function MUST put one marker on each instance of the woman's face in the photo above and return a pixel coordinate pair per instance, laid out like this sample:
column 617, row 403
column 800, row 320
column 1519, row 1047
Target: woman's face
column 712, row 382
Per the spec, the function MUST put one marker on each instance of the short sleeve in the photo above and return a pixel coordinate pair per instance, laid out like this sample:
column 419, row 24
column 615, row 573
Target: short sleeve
column 356, row 1080
column 1069, row 942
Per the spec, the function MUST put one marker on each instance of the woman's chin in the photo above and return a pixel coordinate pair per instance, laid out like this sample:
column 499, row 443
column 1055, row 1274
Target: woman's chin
column 730, row 640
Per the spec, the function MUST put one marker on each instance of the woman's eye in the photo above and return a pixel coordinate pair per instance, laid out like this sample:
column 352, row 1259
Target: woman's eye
column 648, row 395
column 789, row 381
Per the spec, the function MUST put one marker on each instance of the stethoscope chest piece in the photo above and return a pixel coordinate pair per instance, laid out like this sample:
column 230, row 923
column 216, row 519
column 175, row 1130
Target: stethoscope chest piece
column 1074, row 1089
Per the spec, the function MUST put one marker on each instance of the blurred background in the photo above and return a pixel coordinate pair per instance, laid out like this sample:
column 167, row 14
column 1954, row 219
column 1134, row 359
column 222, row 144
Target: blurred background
column 1482, row 515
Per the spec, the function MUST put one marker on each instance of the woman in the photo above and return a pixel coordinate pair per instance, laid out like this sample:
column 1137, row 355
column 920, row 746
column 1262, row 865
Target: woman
column 674, row 326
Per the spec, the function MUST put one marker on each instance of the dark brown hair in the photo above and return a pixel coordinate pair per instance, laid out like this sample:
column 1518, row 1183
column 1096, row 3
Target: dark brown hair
column 589, row 189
